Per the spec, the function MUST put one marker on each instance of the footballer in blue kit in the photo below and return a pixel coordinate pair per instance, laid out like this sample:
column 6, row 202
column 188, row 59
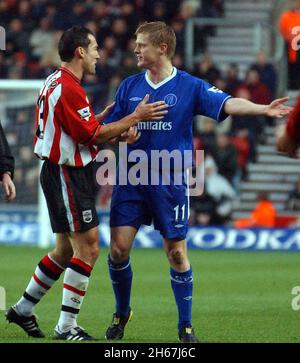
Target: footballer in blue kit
column 186, row 96
column 167, row 206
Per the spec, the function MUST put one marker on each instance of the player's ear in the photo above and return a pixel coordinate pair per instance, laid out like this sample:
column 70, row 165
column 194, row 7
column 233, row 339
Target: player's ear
column 79, row 51
column 163, row 47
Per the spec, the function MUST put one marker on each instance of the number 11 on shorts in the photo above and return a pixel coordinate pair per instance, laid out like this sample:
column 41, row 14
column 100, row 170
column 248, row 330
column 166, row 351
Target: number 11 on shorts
column 177, row 210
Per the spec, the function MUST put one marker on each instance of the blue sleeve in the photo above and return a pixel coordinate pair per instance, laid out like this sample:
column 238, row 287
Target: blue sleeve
column 210, row 101
column 119, row 110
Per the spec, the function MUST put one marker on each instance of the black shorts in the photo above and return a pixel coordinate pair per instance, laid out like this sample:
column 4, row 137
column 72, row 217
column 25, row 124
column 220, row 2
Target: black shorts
column 70, row 194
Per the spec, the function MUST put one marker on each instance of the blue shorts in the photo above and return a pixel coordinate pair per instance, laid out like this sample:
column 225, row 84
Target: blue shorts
column 166, row 206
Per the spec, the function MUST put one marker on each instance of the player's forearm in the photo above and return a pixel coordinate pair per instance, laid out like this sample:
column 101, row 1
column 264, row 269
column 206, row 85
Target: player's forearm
column 99, row 117
column 114, row 129
column 242, row 107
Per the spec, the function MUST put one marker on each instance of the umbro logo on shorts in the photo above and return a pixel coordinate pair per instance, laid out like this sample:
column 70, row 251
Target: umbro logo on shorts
column 87, row 216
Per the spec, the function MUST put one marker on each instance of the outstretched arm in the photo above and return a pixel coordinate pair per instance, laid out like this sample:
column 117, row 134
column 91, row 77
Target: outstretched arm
column 144, row 111
column 101, row 116
column 242, row 107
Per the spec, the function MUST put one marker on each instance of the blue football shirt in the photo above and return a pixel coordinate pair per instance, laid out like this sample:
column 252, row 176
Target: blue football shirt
column 186, row 96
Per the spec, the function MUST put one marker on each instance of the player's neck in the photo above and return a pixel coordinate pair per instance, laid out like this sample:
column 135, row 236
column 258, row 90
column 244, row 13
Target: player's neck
column 160, row 72
column 75, row 68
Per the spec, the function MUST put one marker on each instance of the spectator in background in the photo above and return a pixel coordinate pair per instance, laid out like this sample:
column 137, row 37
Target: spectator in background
column 128, row 66
column 114, row 53
column 225, row 155
column 207, row 135
column 41, row 39
column 104, row 72
column 93, row 89
column 3, row 66
column 119, row 31
column 251, row 123
column 241, row 142
column 18, row 36
column 178, row 61
column 129, row 15
column 260, row 94
column 208, row 9
column 258, row 91
column 220, row 83
column 287, row 22
column 232, row 79
column 179, row 27
column 212, row 8
column 24, row 8
column 41, row 67
column 169, row 7
column 207, row 70
column 266, row 71
column 7, row 166
column 220, row 190
column 293, row 202
column 159, row 11
column 203, row 208
column 263, row 215
column 78, row 15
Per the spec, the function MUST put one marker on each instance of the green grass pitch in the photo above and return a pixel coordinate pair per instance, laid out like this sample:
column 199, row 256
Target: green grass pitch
column 238, row 296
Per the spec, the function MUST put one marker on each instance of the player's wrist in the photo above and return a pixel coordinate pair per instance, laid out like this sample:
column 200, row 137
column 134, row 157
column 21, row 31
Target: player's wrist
column 135, row 118
column 265, row 110
column 7, row 173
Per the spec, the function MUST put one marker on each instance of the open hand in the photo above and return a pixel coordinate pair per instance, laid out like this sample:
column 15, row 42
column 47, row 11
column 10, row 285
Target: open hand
column 8, row 187
column 277, row 108
column 131, row 135
column 151, row 111
column 101, row 116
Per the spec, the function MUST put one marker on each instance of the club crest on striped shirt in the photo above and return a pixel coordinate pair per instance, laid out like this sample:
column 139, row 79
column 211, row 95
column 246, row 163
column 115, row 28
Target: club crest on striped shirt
column 87, row 216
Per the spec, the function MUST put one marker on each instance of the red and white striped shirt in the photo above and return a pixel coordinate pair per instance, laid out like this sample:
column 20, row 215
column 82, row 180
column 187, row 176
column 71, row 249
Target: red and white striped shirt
column 66, row 126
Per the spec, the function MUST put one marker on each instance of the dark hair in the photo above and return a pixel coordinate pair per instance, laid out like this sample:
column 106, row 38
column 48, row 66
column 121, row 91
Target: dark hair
column 77, row 36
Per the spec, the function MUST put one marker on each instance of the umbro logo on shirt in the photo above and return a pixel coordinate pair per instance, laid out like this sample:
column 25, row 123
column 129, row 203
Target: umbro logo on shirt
column 135, row 99
column 85, row 113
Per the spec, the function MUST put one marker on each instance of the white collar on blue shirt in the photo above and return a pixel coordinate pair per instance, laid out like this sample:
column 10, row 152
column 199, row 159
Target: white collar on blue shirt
column 157, row 85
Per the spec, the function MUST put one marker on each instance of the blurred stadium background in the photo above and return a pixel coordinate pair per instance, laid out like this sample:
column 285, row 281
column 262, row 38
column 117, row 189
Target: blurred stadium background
column 235, row 45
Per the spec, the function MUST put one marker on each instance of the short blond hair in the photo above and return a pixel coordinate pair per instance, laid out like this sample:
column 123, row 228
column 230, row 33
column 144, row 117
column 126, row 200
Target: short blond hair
column 159, row 32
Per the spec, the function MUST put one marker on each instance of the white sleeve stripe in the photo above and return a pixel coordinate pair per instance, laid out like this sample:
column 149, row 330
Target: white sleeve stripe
column 66, row 200
column 220, row 109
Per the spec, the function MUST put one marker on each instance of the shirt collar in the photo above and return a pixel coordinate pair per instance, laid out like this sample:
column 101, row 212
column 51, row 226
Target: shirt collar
column 157, row 85
column 70, row 73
